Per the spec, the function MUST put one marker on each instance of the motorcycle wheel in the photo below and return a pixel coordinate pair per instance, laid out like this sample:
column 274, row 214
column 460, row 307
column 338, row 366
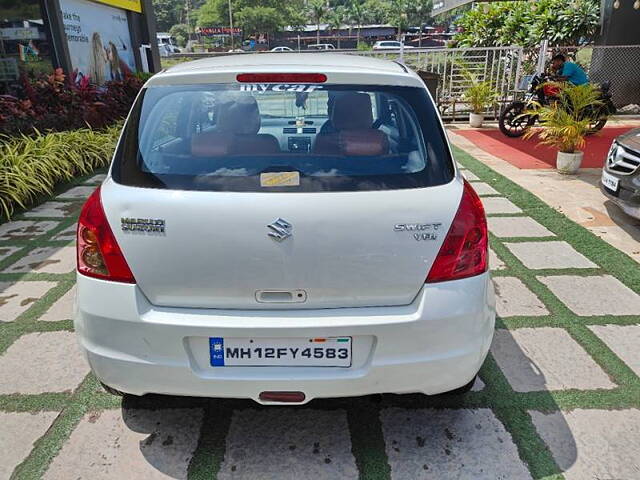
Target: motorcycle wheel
column 597, row 125
column 511, row 123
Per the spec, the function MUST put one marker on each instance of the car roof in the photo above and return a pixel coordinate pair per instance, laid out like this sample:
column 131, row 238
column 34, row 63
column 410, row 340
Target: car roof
column 223, row 68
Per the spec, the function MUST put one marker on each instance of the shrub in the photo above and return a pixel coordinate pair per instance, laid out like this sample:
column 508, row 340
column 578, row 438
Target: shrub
column 31, row 166
column 56, row 102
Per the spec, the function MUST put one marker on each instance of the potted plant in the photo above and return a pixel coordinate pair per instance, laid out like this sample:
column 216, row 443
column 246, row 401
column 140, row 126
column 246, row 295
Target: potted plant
column 480, row 95
column 565, row 124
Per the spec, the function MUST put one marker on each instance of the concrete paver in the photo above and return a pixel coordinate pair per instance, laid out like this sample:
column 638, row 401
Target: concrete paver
column 53, row 209
column 42, row 362
column 25, row 229
column 7, row 251
column 623, row 340
column 472, row 177
column 539, row 255
column 535, row 359
column 144, row 444
column 76, row 193
column 62, row 309
column 96, row 179
column 605, row 295
column 514, row 298
column 499, row 205
column 517, row 227
column 482, row 188
column 18, row 431
column 46, row 260
column 433, row 444
column 16, row 298
column 276, row 444
column 67, row 234
column 593, row 444
column 494, row 261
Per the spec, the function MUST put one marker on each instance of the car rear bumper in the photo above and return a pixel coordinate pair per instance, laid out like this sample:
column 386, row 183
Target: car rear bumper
column 435, row 344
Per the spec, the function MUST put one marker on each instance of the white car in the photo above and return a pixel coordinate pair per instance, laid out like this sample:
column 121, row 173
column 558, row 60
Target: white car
column 284, row 228
column 389, row 45
column 281, row 49
column 321, row 46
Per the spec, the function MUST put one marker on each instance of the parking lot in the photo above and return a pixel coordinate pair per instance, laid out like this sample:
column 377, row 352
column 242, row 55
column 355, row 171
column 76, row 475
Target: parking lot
column 558, row 397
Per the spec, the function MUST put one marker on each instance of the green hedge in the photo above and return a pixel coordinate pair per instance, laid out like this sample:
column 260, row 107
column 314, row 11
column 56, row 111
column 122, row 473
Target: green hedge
column 32, row 166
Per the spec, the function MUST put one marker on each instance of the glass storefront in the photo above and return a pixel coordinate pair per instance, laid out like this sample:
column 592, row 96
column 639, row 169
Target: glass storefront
column 24, row 42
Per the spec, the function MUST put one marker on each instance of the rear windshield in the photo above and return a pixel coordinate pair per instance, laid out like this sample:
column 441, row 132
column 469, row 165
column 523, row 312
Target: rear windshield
column 282, row 137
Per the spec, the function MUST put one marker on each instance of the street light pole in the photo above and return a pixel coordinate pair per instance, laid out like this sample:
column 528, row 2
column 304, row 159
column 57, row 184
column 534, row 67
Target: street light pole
column 230, row 25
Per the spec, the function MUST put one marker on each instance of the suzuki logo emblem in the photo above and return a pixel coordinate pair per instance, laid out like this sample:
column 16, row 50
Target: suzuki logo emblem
column 280, row 229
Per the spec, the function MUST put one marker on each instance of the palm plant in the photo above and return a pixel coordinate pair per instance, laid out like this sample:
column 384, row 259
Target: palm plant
column 336, row 19
column 357, row 15
column 566, row 122
column 480, row 95
column 318, row 11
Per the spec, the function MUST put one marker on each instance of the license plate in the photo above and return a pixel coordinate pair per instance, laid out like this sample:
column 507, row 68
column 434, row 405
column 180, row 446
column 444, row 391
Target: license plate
column 280, row 352
column 610, row 182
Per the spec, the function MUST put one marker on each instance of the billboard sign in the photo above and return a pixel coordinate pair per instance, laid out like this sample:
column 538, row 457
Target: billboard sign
column 99, row 40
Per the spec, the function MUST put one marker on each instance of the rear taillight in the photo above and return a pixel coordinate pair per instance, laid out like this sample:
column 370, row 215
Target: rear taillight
column 464, row 251
column 99, row 255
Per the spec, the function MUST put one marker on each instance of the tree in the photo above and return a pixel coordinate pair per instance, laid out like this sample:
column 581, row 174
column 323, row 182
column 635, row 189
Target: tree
column 317, row 12
column 397, row 15
column 259, row 19
column 213, row 13
column 357, row 15
column 181, row 33
column 336, row 20
column 528, row 23
column 167, row 13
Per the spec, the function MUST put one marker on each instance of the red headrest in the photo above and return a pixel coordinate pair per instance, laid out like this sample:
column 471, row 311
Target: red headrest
column 362, row 143
column 210, row 144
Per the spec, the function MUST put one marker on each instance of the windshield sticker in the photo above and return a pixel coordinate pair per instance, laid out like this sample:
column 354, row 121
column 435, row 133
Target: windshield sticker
column 278, row 87
column 280, row 179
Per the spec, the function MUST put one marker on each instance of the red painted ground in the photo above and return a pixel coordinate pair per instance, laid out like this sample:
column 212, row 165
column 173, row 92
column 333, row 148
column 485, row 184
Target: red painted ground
column 529, row 154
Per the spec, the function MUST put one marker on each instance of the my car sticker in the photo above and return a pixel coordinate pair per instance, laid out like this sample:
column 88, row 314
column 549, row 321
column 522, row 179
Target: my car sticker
column 278, row 87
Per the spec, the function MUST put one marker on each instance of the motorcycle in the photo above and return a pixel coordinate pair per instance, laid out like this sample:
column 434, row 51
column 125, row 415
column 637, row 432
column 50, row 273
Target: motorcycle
column 514, row 122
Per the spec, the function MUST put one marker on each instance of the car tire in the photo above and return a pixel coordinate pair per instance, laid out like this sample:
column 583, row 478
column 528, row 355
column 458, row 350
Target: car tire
column 112, row 390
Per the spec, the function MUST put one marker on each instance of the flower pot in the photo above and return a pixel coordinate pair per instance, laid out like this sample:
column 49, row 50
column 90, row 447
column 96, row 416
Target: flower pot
column 475, row 120
column 568, row 163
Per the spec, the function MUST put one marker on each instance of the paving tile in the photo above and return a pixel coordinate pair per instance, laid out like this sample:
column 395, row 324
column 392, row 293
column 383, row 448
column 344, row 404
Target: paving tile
column 517, row 227
column 53, row 209
column 470, row 175
column 127, row 443
column 499, row 205
column 42, row 362
column 62, row 309
column 538, row 255
column 594, row 295
column 16, row 298
column 7, row 251
column 482, row 188
column 514, row 298
column 593, row 444
column 535, row 359
column 18, row 431
column 288, row 443
column 623, row 340
column 478, row 385
column 96, row 179
column 67, row 234
column 459, row 443
column 77, row 193
column 494, row 261
column 25, row 229
column 46, row 260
